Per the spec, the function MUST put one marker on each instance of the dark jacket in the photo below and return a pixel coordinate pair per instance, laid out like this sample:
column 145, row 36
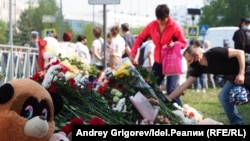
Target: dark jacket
column 241, row 40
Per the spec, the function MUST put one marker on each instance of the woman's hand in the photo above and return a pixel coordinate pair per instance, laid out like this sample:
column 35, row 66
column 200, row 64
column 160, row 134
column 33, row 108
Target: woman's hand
column 170, row 45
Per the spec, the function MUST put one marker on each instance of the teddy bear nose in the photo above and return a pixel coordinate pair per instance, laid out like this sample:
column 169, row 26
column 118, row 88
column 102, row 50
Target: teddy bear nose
column 42, row 117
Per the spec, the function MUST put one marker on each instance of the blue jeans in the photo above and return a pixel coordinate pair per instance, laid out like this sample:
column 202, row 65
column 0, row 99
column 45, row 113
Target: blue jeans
column 200, row 80
column 172, row 81
column 230, row 109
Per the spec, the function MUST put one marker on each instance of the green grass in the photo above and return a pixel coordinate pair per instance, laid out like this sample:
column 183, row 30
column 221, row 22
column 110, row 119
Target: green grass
column 209, row 105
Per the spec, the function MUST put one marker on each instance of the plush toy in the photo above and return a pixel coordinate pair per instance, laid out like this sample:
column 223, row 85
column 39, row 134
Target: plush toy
column 187, row 112
column 184, row 118
column 60, row 136
column 27, row 111
column 192, row 112
column 46, row 51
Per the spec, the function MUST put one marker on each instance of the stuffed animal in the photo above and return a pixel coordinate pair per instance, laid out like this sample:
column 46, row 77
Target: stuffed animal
column 27, row 111
column 60, row 136
column 46, row 51
column 192, row 112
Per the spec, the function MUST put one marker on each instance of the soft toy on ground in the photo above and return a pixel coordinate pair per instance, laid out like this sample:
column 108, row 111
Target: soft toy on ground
column 27, row 111
column 188, row 114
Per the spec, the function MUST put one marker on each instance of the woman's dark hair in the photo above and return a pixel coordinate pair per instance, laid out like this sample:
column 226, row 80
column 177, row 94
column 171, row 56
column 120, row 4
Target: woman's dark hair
column 81, row 37
column 162, row 12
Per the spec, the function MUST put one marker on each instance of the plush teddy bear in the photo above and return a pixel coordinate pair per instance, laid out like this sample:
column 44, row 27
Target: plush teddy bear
column 27, row 111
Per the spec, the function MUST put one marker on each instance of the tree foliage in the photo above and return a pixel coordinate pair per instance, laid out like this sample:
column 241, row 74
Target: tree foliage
column 88, row 33
column 224, row 12
column 32, row 19
column 25, row 26
column 3, row 34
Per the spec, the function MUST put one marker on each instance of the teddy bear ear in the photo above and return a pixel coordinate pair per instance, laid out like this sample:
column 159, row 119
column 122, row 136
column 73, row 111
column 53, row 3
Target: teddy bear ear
column 57, row 102
column 6, row 93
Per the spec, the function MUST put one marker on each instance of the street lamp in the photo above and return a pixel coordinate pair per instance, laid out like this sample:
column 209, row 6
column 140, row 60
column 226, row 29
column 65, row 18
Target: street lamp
column 93, row 14
column 11, row 70
column 61, row 22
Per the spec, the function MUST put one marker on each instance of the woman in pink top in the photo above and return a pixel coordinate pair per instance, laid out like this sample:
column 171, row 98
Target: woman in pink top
column 164, row 31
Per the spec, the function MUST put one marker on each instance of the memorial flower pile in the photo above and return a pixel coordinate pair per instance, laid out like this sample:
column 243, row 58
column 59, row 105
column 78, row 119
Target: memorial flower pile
column 88, row 93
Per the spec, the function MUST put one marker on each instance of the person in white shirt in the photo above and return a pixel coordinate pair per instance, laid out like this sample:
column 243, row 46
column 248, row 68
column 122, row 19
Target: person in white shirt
column 97, row 49
column 107, row 49
column 82, row 49
column 148, row 54
column 67, row 49
column 117, row 47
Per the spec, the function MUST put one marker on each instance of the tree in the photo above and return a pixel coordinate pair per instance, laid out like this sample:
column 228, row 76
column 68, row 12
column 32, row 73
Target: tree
column 3, row 33
column 224, row 12
column 89, row 34
column 25, row 26
column 32, row 19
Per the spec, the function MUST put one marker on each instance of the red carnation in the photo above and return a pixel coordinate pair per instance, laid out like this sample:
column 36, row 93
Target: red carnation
column 64, row 69
column 52, row 87
column 72, row 83
column 102, row 88
column 77, row 121
column 96, row 121
column 36, row 76
column 68, row 128
column 191, row 114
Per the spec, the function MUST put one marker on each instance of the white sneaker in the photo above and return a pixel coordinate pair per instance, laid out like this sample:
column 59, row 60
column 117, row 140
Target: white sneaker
column 197, row 90
column 203, row 90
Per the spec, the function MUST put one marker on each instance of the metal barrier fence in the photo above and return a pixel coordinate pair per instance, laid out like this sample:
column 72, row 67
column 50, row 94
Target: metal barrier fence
column 17, row 62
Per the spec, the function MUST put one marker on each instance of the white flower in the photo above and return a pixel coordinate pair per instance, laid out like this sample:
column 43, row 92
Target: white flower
column 78, row 78
column 50, row 75
column 121, row 105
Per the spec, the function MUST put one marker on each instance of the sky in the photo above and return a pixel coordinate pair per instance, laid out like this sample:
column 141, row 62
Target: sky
column 138, row 7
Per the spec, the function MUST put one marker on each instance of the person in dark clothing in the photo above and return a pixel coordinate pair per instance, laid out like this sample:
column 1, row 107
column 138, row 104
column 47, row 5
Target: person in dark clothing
column 217, row 60
column 128, row 37
column 241, row 38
